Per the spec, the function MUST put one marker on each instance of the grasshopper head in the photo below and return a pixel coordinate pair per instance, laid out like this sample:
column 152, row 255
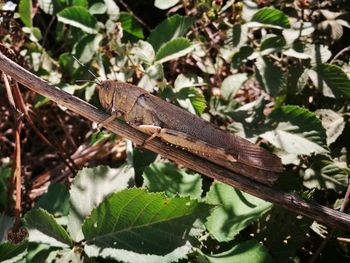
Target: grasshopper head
column 106, row 95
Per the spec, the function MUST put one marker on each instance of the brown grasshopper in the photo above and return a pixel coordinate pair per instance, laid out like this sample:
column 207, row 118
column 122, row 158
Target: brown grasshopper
column 176, row 126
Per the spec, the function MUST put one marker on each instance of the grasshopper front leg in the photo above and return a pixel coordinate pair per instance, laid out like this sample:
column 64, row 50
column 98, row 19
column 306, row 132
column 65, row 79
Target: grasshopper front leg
column 185, row 141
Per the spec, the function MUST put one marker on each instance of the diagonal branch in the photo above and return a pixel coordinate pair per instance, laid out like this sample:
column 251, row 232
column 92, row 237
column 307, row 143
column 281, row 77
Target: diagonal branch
column 286, row 200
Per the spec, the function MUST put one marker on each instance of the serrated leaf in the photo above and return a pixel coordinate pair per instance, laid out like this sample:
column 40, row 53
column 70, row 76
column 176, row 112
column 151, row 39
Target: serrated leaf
column 89, row 188
column 271, row 77
column 165, row 4
column 166, row 177
column 171, row 28
column 134, row 222
column 241, row 56
column 237, row 36
column 79, row 17
column 324, row 175
column 43, row 228
column 232, row 84
column 333, row 122
column 236, row 211
column 298, row 131
column 10, row 252
column 55, row 201
column 248, row 252
column 192, row 100
column 270, row 16
column 173, row 49
column 25, row 12
column 319, row 53
column 130, row 25
column 332, row 80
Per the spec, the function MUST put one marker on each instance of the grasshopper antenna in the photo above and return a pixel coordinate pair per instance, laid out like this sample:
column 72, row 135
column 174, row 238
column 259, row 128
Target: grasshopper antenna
column 81, row 64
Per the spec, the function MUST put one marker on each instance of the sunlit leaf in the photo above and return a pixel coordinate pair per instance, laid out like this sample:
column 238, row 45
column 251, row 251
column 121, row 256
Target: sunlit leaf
column 136, row 226
column 79, row 17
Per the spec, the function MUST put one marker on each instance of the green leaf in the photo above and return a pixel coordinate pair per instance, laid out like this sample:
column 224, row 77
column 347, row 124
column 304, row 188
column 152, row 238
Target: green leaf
column 136, row 226
column 25, row 12
column 89, row 188
column 298, row 131
column 270, row 16
column 165, row 4
column 174, row 49
column 324, row 174
column 272, row 44
column 332, row 80
column 12, row 252
column 79, row 17
column 166, row 177
column 237, row 36
column 172, row 27
column 192, row 100
column 43, row 228
column 271, row 77
column 55, row 201
column 249, row 252
column 236, row 211
column 130, row 25
column 232, row 84
column 241, row 56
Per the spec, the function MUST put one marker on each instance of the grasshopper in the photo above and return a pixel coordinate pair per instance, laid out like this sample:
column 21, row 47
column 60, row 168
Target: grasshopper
column 178, row 127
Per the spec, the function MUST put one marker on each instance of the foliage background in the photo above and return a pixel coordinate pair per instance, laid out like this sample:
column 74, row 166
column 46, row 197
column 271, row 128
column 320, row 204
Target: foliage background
column 275, row 72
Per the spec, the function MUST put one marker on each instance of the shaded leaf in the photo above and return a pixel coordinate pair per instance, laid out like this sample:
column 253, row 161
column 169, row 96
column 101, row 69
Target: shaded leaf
column 79, row 17
column 325, row 174
column 133, row 223
column 89, row 188
column 172, row 27
column 270, row 16
column 333, row 122
column 298, row 131
column 10, row 252
column 237, row 36
column 236, row 211
column 166, row 177
column 232, row 84
column 272, row 44
column 249, row 252
column 241, row 56
column 55, row 201
column 98, row 8
column 271, row 77
column 43, row 228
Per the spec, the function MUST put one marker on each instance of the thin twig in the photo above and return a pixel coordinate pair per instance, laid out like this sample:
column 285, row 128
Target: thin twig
column 341, row 52
column 135, row 16
column 17, row 153
column 289, row 201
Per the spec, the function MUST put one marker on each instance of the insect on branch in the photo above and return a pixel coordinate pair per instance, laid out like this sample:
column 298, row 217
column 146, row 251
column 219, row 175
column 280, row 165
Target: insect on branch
column 289, row 201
